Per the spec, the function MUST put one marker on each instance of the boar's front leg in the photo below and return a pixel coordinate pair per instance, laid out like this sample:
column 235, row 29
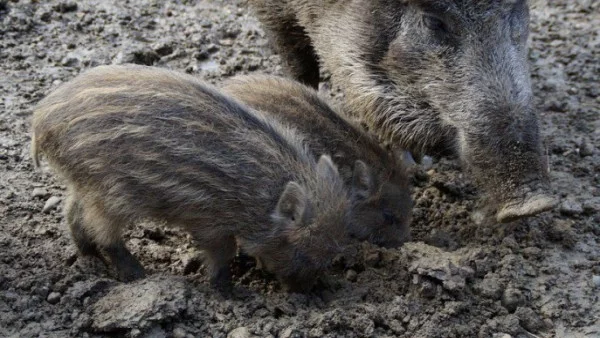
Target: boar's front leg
column 294, row 47
column 105, row 232
column 97, row 235
column 219, row 253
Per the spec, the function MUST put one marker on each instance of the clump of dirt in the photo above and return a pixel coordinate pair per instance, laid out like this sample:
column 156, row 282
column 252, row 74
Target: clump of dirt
column 459, row 278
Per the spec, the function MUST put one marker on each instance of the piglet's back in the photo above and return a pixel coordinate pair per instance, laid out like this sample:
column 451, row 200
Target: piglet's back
column 138, row 131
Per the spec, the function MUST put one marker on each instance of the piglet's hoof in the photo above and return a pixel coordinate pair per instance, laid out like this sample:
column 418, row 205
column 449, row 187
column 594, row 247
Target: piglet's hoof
column 532, row 205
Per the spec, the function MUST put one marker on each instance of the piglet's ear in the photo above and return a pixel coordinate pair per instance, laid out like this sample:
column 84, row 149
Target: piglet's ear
column 363, row 181
column 326, row 168
column 292, row 203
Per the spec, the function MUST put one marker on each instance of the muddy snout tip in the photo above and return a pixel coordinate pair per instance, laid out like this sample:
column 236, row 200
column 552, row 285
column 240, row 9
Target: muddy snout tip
column 528, row 207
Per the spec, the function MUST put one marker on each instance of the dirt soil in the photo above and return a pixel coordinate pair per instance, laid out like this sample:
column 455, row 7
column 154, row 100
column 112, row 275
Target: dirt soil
column 533, row 278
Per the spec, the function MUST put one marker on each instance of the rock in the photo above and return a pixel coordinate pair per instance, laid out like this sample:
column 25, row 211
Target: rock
column 288, row 333
column 596, row 281
column 212, row 48
column 372, row 258
column 570, row 207
column 140, row 55
column 53, row 298
column 512, row 298
column 529, row 320
column 351, row 275
column 440, row 266
column 201, row 55
column 70, row 61
column 240, row 332
column 586, row 148
column 163, row 48
column 83, row 289
column 65, row 7
column 142, row 304
column 39, row 193
column 490, row 286
column 501, row 335
column 179, row 333
column 51, row 204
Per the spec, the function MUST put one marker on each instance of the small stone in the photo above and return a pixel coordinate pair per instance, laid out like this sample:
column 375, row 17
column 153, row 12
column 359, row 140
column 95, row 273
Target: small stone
column 212, row 48
column 201, row 55
column 529, row 320
column 287, row 333
column 351, row 275
column 163, row 48
column 512, row 299
column 65, row 7
column 372, row 259
column 570, row 207
column 240, row 332
column 596, row 281
column 501, row 335
column 226, row 42
column 70, row 61
column 586, row 149
column 179, row 333
column 39, row 193
column 53, row 298
column 51, row 204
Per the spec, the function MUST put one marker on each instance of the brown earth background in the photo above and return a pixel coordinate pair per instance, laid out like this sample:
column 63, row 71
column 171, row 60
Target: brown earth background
column 534, row 278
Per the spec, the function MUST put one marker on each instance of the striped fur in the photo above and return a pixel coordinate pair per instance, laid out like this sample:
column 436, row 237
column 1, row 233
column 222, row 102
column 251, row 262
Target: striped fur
column 136, row 142
column 382, row 210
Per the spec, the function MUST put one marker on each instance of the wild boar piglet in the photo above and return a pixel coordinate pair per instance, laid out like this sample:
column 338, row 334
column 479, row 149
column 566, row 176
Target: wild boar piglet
column 136, row 142
column 379, row 183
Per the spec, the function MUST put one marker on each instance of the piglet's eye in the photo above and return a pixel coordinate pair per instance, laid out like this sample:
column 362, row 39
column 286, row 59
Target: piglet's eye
column 434, row 23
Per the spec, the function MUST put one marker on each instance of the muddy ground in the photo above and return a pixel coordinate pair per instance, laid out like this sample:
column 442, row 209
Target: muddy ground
column 534, row 278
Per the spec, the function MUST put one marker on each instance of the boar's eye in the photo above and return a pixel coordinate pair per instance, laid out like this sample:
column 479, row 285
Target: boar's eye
column 434, row 23
column 388, row 216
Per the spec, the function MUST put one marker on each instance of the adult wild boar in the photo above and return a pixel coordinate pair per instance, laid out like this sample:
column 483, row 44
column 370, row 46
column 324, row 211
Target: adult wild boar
column 430, row 76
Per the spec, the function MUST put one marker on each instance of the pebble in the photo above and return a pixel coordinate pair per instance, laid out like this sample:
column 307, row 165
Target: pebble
column 512, row 298
column 53, row 298
column 586, row 148
column 570, row 207
column 351, row 275
column 179, row 333
column 39, row 192
column 372, row 259
column 51, row 204
column 596, row 280
column 501, row 335
column 240, row 332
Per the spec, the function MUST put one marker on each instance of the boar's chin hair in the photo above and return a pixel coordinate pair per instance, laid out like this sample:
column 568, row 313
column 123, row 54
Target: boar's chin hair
column 392, row 110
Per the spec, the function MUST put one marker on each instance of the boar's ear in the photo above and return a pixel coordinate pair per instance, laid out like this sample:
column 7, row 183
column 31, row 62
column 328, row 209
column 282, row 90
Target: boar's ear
column 292, row 203
column 326, row 168
column 363, row 181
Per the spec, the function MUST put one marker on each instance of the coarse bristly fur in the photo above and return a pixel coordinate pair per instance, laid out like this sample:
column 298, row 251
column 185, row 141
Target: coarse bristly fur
column 430, row 76
column 378, row 182
column 136, row 142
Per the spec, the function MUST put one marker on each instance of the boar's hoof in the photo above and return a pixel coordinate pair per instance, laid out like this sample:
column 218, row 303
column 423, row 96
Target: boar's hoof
column 221, row 279
column 131, row 274
column 532, row 205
